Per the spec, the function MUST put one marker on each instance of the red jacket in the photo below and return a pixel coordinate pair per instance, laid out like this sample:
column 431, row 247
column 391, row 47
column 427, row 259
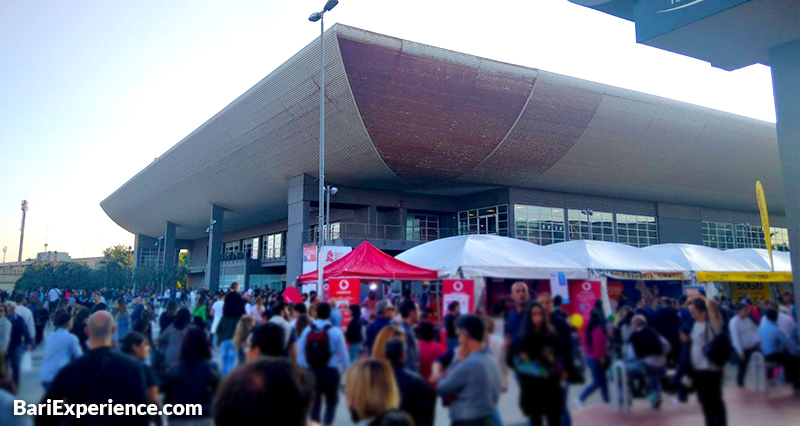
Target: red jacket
column 597, row 349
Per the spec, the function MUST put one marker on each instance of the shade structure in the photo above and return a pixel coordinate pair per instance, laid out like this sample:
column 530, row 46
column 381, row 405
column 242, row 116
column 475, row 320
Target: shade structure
column 367, row 261
column 470, row 256
column 605, row 257
column 701, row 258
column 761, row 258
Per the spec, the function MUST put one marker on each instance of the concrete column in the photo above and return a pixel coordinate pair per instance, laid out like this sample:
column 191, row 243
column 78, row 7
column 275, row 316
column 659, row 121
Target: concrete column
column 298, row 221
column 785, row 62
column 403, row 217
column 214, row 247
column 169, row 244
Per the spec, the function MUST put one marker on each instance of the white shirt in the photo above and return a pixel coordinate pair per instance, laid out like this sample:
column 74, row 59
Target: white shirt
column 744, row 334
column 217, row 308
column 54, row 294
column 702, row 333
column 27, row 315
column 496, row 345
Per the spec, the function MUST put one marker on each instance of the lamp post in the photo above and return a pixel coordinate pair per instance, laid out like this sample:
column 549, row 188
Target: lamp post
column 589, row 213
column 318, row 16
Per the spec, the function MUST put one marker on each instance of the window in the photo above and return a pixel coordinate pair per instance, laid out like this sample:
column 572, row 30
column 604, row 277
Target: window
column 539, row 225
column 749, row 236
column 232, row 247
column 718, row 235
column 637, row 231
column 422, row 227
column 591, row 225
column 274, row 247
column 780, row 239
column 486, row 220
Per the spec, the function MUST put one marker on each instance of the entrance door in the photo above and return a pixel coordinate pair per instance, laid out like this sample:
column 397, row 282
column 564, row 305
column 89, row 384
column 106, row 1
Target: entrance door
column 487, row 224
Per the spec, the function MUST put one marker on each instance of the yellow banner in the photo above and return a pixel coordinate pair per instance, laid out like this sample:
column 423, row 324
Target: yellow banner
column 745, row 277
column 762, row 208
column 755, row 291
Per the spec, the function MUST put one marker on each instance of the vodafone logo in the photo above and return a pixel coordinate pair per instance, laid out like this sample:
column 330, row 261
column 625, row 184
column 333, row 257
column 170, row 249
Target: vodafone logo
column 458, row 286
column 587, row 286
column 344, row 284
column 325, row 287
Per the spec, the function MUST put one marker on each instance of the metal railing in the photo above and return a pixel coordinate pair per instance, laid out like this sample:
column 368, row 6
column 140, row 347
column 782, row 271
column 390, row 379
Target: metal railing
column 379, row 232
column 273, row 254
column 196, row 264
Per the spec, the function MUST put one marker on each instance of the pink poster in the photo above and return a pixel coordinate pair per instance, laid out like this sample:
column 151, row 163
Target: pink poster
column 582, row 296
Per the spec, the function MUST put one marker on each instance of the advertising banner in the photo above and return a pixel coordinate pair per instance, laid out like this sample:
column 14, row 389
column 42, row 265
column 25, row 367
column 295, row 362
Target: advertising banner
column 329, row 253
column 762, row 208
column 582, row 296
column 756, row 291
column 745, row 276
column 461, row 291
column 558, row 286
column 693, row 290
column 346, row 292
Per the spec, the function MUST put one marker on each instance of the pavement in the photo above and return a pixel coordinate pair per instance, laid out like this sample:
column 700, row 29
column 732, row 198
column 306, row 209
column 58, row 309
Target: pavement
column 745, row 407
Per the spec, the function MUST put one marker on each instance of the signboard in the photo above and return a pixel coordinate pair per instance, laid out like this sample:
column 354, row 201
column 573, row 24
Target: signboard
column 558, row 286
column 693, row 290
column 330, row 254
column 644, row 275
column 461, row 291
column 771, row 277
column 657, row 17
column 756, row 291
column 583, row 295
column 346, row 292
column 762, row 208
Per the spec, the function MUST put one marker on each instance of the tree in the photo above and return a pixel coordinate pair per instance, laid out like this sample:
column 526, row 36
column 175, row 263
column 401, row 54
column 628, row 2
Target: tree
column 64, row 274
column 116, row 268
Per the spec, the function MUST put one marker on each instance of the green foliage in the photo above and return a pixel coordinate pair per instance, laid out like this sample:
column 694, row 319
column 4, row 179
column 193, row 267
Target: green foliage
column 64, row 274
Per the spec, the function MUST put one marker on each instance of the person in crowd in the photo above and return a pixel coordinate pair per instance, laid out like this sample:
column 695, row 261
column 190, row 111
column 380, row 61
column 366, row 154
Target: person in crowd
column 79, row 322
column 168, row 316
column 755, row 314
column 644, row 309
column 370, row 305
column 388, row 332
column 498, row 313
column 557, row 309
column 622, row 329
column 138, row 309
column 429, row 350
column 322, row 349
column 301, row 323
column 281, row 317
column 265, row 339
column 647, row 357
column 137, row 345
column 95, row 377
column 169, row 343
column 667, row 322
column 242, row 331
column 5, row 333
column 595, row 344
column 564, row 348
column 474, row 381
column 496, row 344
column 744, row 339
column 683, row 311
column 94, row 305
column 371, row 392
column 122, row 319
column 232, row 311
column 514, row 320
column 354, row 335
column 41, row 316
column 20, row 341
column 778, row 348
column 274, row 390
column 539, row 363
column 52, row 296
column 193, row 380
column 258, row 309
column 409, row 313
column 416, row 397
column 26, row 314
column 7, row 396
column 298, row 309
column 336, row 316
column 200, row 310
column 216, row 314
column 450, row 328
column 60, row 348
column 706, row 375
column 384, row 311
column 785, row 321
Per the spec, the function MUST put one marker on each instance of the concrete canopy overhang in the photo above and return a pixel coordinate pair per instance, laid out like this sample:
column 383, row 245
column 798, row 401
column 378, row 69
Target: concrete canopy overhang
column 403, row 116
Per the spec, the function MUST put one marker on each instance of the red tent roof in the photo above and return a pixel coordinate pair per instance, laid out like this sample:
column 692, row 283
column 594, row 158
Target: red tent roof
column 366, row 261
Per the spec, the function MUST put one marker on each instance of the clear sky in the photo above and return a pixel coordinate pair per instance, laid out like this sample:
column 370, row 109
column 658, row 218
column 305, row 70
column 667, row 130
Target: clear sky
column 91, row 91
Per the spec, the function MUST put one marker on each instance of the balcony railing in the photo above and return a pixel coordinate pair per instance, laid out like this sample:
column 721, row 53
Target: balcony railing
column 196, row 264
column 273, row 254
column 362, row 231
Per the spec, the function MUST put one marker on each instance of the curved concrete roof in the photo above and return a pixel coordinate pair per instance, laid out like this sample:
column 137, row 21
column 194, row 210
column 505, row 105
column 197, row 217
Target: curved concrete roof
column 410, row 117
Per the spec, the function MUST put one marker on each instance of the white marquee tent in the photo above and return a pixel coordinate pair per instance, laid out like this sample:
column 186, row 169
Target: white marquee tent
column 761, row 258
column 701, row 258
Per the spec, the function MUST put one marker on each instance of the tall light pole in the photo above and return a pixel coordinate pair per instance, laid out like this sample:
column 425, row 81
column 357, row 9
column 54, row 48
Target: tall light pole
column 22, row 229
column 318, row 16
column 589, row 213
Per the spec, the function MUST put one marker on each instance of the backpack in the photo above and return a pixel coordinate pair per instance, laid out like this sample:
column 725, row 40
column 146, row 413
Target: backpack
column 318, row 347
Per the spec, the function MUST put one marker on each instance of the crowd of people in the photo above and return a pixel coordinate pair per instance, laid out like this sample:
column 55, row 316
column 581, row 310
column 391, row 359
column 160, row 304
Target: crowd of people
column 288, row 359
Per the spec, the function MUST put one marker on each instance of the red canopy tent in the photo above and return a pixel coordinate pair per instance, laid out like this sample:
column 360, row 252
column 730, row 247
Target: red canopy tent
column 368, row 262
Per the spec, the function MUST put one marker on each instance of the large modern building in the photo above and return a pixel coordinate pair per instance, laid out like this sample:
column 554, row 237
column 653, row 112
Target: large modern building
column 425, row 143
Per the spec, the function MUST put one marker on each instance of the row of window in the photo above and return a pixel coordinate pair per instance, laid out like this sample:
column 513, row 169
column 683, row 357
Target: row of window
column 487, row 220
column 273, row 247
column 723, row 235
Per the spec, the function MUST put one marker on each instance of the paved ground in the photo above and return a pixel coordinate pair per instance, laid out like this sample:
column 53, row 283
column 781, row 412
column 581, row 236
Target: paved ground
column 745, row 407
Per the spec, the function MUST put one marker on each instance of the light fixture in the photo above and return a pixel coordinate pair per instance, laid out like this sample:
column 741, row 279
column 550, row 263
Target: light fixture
column 316, row 16
column 373, row 286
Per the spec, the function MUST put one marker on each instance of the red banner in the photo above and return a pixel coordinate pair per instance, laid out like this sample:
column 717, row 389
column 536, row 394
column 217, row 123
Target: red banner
column 461, row 291
column 346, row 292
column 582, row 296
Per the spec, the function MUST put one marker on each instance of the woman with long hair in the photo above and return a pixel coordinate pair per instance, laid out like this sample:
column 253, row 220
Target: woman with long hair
column 168, row 316
column 137, row 345
column 79, row 326
column 387, row 333
column 429, row 350
column 169, row 343
column 371, row 391
column 200, row 310
column 193, row 380
column 706, row 374
column 257, row 311
column 303, row 321
column 122, row 320
column 239, row 337
column 595, row 343
column 355, row 333
column 540, row 365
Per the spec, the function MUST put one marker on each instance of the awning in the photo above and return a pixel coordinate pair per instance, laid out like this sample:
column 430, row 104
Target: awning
column 368, row 262
column 620, row 261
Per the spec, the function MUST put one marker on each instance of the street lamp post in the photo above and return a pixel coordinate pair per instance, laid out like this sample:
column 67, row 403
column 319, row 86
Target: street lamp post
column 589, row 213
column 318, row 16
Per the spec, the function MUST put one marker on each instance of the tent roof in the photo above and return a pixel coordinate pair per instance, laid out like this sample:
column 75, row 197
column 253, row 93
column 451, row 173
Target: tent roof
column 490, row 256
column 701, row 258
column 601, row 255
column 761, row 257
column 367, row 261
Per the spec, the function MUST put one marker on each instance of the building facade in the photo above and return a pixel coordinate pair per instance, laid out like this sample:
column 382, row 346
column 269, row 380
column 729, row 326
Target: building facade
column 424, row 143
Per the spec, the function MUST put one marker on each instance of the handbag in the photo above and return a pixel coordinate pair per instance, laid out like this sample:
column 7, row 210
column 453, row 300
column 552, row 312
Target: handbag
column 719, row 349
column 26, row 362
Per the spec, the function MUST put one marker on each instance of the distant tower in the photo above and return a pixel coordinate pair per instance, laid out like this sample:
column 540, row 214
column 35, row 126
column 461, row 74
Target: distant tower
column 22, row 229
column 5, row 249
column 46, row 235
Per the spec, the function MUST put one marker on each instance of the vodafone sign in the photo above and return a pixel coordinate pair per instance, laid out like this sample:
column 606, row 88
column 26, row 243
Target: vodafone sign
column 346, row 293
column 344, row 284
column 461, row 291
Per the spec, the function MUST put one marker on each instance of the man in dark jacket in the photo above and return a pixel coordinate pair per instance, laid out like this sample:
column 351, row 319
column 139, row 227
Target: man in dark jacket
column 384, row 312
column 20, row 341
column 98, row 376
column 566, row 347
column 416, row 397
column 648, row 358
column 667, row 322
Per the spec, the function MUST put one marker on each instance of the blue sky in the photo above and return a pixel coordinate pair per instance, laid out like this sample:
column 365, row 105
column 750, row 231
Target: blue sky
column 93, row 91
